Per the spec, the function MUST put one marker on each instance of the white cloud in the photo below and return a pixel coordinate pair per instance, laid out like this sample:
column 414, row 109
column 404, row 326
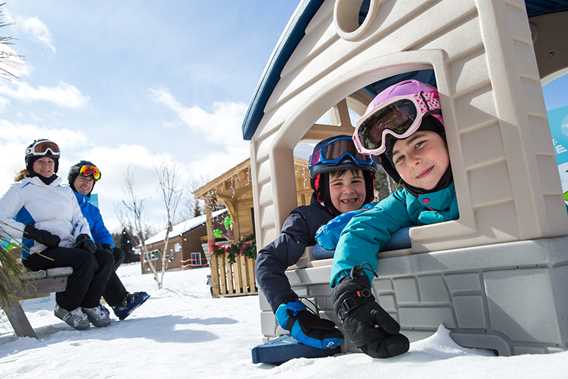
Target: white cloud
column 37, row 29
column 222, row 127
column 22, row 133
column 64, row 94
column 3, row 103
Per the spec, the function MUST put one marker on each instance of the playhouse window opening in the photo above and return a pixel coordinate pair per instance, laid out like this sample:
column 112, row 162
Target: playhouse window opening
column 556, row 102
column 384, row 185
column 351, row 14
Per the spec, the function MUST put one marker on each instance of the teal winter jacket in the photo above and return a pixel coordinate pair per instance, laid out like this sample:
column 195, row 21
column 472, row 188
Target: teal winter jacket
column 364, row 236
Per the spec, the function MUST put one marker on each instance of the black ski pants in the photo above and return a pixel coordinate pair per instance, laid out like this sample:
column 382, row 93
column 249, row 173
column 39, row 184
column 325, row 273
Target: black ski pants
column 115, row 293
column 86, row 285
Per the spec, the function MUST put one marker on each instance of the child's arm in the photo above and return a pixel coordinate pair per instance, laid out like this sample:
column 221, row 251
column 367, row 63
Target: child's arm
column 327, row 235
column 273, row 260
column 365, row 235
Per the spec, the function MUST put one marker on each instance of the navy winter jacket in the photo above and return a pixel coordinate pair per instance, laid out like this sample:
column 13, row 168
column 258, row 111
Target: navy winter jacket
column 297, row 233
column 99, row 231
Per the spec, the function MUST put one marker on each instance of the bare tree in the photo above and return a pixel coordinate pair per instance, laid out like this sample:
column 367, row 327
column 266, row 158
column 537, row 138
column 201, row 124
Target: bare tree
column 171, row 193
column 134, row 206
column 122, row 216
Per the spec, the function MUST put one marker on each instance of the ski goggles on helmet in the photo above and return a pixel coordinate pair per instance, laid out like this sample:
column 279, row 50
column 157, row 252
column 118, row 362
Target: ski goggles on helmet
column 42, row 147
column 90, row 170
column 401, row 116
column 334, row 151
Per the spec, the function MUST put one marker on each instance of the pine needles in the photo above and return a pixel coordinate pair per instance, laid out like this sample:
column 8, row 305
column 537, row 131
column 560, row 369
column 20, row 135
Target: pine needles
column 10, row 269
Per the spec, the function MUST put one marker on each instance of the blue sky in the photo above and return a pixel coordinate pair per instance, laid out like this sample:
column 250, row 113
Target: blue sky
column 135, row 84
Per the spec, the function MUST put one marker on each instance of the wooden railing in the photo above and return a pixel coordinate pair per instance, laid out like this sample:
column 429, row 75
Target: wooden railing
column 232, row 279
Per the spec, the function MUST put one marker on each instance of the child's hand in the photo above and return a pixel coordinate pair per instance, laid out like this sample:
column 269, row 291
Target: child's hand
column 365, row 322
column 307, row 327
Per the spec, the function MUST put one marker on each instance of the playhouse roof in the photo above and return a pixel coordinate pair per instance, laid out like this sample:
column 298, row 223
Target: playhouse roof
column 182, row 227
column 292, row 36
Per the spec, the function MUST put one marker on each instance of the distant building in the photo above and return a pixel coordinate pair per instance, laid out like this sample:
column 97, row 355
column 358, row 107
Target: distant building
column 184, row 245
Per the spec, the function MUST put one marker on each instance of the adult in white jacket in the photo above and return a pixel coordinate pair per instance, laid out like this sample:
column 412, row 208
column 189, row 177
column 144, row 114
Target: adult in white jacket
column 45, row 216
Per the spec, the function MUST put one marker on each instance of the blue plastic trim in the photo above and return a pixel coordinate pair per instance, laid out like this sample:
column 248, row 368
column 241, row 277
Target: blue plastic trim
column 288, row 43
column 304, row 14
column 542, row 7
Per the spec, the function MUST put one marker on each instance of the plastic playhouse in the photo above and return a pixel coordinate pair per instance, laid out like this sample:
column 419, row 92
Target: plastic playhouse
column 497, row 277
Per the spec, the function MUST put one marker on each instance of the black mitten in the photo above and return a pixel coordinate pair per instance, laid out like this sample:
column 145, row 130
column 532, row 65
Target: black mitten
column 42, row 236
column 85, row 242
column 365, row 322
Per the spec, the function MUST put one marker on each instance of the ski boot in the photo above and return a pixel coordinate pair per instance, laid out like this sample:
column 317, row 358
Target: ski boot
column 129, row 304
column 98, row 316
column 75, row 318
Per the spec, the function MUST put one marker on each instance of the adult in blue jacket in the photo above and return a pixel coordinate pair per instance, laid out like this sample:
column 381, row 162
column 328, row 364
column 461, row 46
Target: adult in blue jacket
column 82, row 178
column 342, row 180
column 404, row 126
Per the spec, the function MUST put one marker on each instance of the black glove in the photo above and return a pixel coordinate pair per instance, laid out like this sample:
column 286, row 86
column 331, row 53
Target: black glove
column 364, row 322
column 42, row 236
column 119, row 256
column 85, row 242
column 106, row 247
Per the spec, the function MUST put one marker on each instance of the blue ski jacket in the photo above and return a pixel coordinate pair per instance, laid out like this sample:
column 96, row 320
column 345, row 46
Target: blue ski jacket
column 367, row 232
column 297, row 233
column 98, row 229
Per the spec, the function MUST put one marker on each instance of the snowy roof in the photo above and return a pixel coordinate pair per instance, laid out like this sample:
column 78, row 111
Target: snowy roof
column 182, row 227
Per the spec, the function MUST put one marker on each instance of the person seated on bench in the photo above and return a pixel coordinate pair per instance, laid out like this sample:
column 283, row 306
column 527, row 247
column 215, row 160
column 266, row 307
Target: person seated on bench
column 82, row 178
column 46, row 215
column 404, row 126
column 342, row 180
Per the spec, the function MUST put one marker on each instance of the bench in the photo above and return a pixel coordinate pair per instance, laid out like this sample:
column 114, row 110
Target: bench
column 35, row 284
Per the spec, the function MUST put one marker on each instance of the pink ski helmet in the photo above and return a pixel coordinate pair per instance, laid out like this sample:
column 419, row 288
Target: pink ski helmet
column 398, row 110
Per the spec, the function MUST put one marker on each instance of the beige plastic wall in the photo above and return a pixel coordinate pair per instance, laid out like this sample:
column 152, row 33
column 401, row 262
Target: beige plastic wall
column 482, row 54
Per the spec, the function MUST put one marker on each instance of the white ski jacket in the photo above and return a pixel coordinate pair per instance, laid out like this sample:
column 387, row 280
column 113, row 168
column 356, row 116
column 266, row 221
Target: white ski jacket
column 50, row 207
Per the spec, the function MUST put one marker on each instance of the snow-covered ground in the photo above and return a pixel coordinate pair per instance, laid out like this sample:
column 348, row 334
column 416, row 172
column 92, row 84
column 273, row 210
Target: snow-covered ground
column 182, row 333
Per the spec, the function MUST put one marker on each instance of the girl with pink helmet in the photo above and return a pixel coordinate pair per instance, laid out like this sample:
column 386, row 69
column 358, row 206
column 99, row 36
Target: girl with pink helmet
column 403, row 125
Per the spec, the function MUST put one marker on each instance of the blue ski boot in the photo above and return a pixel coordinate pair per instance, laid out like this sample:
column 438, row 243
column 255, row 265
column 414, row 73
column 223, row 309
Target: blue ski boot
column 129, row 304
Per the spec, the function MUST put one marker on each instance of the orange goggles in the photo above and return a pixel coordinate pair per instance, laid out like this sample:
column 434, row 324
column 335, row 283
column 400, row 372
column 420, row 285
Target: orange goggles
column 90, row 170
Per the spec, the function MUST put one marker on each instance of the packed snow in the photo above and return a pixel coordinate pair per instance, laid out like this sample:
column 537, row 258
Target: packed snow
column 181, row 332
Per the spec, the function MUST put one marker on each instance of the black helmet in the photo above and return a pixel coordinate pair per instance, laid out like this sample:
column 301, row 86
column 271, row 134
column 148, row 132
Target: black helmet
column 41, row 148
column 76, row 169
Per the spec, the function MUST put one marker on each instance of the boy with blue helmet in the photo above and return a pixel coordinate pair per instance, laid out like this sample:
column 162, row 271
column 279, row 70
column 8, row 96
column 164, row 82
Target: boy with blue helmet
column 342, row 180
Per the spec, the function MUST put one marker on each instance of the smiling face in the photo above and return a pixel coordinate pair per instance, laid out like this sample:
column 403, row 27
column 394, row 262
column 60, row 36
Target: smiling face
column 44, row 166
column 347, row 190
column 84, row 184
column 421, row 159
